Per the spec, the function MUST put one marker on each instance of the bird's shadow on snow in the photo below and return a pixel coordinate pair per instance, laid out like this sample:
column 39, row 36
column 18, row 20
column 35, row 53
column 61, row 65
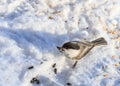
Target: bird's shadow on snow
column 43, row 41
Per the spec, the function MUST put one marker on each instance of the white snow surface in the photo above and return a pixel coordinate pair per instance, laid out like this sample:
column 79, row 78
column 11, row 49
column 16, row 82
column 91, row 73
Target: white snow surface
column 30, row 30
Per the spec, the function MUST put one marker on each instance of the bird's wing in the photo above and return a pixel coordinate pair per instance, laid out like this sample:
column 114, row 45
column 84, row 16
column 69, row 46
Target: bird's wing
column 85, row 43
column 85, row 48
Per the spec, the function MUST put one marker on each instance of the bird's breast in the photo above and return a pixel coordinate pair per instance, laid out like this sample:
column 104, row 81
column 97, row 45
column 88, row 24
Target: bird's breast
column 72, row 53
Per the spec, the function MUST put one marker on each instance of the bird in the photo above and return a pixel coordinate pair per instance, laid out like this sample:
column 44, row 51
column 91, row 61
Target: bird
column 76, row 50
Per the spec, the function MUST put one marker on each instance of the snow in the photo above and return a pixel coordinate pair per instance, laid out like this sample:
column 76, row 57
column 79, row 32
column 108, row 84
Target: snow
column 30, row 30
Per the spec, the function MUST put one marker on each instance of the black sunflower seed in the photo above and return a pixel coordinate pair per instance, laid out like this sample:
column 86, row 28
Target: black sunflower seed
column 69, row 84
column 31, row 67
column 54, row 65
column 35, row 80
column 55, row 71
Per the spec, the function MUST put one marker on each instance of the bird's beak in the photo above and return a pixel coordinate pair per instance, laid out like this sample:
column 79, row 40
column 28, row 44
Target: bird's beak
column 59, row 48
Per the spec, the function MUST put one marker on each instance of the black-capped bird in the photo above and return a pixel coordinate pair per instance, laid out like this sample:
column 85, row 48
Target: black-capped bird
column 78, row 49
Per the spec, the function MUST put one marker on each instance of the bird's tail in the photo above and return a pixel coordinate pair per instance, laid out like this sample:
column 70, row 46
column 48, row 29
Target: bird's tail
column 99, row 41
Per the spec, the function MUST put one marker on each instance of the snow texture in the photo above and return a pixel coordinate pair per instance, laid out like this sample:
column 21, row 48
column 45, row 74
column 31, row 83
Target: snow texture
column 30, row 30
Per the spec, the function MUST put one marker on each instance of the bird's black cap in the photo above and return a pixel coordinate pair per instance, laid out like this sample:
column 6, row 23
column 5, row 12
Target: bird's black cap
column 70, row 45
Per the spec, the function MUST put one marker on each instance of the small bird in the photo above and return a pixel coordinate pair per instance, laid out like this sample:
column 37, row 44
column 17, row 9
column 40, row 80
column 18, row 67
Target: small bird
column 77, row 49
